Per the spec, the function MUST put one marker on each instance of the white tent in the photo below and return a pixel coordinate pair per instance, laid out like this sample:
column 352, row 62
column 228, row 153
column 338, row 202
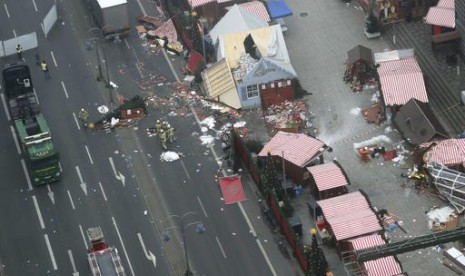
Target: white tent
column 450, row 183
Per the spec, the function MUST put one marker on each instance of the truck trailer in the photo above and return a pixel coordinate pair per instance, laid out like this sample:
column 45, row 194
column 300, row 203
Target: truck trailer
column 111, row 16
column 104, row 260
column 32, row 130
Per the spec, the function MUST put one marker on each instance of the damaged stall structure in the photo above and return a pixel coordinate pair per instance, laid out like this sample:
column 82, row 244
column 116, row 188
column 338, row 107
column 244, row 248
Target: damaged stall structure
column 450, row 183
column 360, row 68
column 448, row 152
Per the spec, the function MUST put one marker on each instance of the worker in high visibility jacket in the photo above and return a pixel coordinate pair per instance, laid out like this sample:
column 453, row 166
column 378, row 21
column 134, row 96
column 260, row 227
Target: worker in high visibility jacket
column 44, row 68
column 171, row 137
column 163, row 138
column 158, row 126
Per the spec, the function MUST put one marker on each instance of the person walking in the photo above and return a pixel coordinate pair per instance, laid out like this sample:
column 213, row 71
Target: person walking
column 171, row 137
column 163, row 139
column 83, row 116
column 44, row 68
column 158, row 126
column 19, row 51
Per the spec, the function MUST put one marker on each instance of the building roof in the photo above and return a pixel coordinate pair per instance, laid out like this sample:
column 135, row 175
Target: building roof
column 220, row 84
column 447, row 4
column 257, row 8
column 297, row 148
column 447, row 152
column 441, row 17
column 379, row 267
column 359, row 52
column 349, row 215
column 418, row 124
column 198, row 3
column 328, row 176
column 243, row 20
column 269, row 42
column 278, row 9
column 401, row 80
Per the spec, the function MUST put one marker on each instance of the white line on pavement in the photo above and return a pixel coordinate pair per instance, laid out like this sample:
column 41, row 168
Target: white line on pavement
column 124, row 247
column 71, row 200
column 53, row 58
column 6, row 11
column 247, row 219
column 83, row 236
column 5, row 107
column 185, row 170
column 149, row 255
column 88, row 154
column 64, row 89
column 15, row 138
column 50, row 251
column 259, row 243
column 26, row 173
column 35, row 95
column 71, row 259
column 203, row 208
column 103, row 192
column 221, row 247
column 39, row 214
column 76, row 121
column 35, row 5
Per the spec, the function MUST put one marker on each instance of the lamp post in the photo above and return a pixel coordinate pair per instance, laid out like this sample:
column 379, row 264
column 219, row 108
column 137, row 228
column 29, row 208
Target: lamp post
column 96, row 35
column 180, row 223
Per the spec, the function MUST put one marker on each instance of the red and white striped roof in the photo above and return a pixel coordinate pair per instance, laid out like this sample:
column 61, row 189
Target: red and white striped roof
column 447, row 4
column 198, row 3
column 257, row 8
column 386, row 266
column 447, row 152
column 354, row 224
column 343, row 204
column 401, row 80
column 296, row 148
column 441, row 17
column 328, row 176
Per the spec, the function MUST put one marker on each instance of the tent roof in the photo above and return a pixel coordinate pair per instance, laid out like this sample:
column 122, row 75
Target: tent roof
column 278, row 9
column 450, row 183
column 417, row 123
column 359, row 52
column 243, row 21
column 220, row 84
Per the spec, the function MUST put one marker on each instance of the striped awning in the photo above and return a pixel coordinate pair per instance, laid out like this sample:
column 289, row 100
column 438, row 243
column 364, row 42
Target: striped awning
column 198, row 3
column 441, row 17
column 354, row 224
column 296, row 148
column 447, row 4
column 341, row 205
column 401, row 80
column 328, row 176
column 379, row 267
column 257, row 8
column 447, row 152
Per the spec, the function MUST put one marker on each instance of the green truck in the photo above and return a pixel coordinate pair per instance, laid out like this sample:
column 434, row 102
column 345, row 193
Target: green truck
column 42, row 160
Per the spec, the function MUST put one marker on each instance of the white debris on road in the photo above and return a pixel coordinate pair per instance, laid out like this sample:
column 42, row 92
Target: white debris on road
column 356, row 111
column 169, row 156
column 439, row 215
column 377, row 140
column 207, row 140
column 239, row 124
column 208, row 122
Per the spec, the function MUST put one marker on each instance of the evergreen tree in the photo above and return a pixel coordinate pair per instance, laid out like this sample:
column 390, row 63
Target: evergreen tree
column 317, row 264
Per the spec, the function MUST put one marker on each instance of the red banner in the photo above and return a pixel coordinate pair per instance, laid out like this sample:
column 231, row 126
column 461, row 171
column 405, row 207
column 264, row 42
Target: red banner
column 231, row 188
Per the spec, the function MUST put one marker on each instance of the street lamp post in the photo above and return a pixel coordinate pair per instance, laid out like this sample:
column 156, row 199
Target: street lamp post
column 182, row 225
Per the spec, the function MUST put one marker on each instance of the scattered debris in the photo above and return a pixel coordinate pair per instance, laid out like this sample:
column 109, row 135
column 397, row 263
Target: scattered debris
column 169, row 156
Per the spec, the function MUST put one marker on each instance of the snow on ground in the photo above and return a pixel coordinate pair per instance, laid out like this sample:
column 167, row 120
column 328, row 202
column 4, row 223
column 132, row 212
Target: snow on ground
column 169, row 156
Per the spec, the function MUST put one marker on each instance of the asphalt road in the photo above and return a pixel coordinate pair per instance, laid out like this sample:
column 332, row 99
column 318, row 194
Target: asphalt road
column 114, row 180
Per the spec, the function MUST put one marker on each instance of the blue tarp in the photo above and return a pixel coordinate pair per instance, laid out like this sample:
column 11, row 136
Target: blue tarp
column 278, row 9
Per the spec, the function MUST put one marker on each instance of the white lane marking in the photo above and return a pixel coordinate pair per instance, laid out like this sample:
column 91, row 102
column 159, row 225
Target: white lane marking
column 73, row 264
column 35, row 6
column 35, row 95
column 259, row 243
column 39, row 214
column 26, row 173
column 5, row 107
column 15, row 138
column 124, row 247
column 50, row 194
column 127, row 44
column 88, row 154
column 185, row 169
column 138, row 69
column 6, row 11
column 203, row 208
column 50, row 251
column 141, row 8
column 221, row 247
column 76, row 121
column 103, row 192
column 71, row 200
column 14, row 33
column 118, row 175
column 82, row 184
column 83, row 236
column 64, row 89
column 148, row 254
column 247, row 219
column 54, row 60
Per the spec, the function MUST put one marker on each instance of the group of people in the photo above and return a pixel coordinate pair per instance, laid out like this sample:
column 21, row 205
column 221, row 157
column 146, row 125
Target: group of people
column 43, row 64
column 165, row 132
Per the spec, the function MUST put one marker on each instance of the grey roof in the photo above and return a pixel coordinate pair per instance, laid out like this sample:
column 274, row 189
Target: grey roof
column 237, row 19
column 417, row 123
column 359, row 52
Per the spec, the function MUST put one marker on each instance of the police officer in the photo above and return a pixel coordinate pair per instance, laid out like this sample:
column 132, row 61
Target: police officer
column 19, row 51
column 83, row 115
column 158, row 126
column 163, row 139
column 171, row 137
column 44, row 68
